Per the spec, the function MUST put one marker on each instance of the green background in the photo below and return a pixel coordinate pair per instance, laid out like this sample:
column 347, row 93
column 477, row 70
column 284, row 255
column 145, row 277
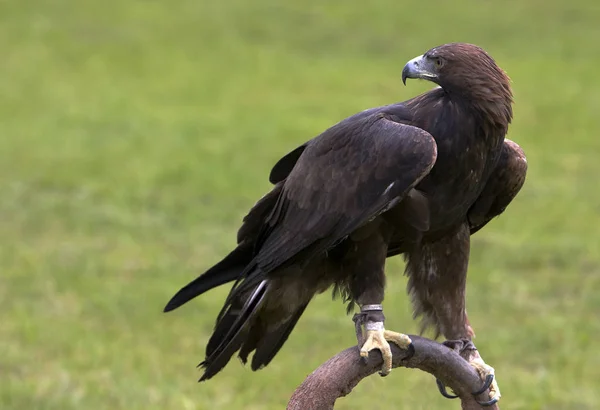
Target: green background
column 134, row 136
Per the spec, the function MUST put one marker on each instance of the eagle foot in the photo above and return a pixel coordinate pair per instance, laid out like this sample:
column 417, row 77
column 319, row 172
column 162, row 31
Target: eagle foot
column 486, row 372
column 377, row 338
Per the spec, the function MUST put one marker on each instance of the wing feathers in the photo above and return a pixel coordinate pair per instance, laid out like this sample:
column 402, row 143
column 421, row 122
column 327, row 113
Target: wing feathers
column 284, row 166
column 225, row 271
column 347, row 176
column 501, row 188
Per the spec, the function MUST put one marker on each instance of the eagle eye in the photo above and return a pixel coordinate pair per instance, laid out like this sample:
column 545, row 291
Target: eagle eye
column 439, row 62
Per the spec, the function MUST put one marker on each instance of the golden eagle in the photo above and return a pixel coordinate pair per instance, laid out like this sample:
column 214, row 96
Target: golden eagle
column 415, row 178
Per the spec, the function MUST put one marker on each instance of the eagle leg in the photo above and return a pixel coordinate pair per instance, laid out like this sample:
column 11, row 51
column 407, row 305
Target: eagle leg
column 377, row 337
column 486, row 372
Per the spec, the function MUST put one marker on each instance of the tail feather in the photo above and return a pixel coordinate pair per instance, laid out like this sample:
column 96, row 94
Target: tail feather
column 249, row 328
column 270, row 345
column 230, row 332
column 217, row 364
column 222, row 327
column 229, row 269
column 257, row 331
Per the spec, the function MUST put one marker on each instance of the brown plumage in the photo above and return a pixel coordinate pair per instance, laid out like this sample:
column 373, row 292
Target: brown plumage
column 415, row 178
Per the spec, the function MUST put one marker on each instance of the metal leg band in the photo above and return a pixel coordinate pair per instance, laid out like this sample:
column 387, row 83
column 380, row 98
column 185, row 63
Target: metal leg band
column 367, row 308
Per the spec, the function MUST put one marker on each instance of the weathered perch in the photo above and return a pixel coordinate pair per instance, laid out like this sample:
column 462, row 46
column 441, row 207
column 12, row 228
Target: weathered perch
column 339, row 375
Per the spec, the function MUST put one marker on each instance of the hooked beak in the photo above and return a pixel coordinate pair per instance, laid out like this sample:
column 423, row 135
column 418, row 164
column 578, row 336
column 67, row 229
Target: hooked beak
column 419, row 67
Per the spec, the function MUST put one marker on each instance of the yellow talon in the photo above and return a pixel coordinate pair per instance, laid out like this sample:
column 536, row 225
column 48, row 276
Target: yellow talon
column 378, row 339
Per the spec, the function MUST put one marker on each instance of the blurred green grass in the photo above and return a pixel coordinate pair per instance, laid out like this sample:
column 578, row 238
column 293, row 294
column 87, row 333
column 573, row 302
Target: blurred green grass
column 135, row 135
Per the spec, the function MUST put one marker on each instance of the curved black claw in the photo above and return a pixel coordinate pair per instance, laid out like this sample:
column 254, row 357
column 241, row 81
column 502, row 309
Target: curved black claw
column 442, row 388
column 488, row 382
column 486, row 385
column 487, row 403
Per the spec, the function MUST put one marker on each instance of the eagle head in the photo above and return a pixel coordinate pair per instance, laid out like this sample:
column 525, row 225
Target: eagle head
column 467, row 72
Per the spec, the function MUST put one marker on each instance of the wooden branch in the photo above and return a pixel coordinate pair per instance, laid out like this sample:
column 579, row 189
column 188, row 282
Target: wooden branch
column 339, row 375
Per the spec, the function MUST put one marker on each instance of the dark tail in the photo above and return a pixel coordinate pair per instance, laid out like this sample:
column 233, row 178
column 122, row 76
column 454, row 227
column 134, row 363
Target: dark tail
column 269, row 343
column 247, row 327
column 232, row 328
column 229, row 269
